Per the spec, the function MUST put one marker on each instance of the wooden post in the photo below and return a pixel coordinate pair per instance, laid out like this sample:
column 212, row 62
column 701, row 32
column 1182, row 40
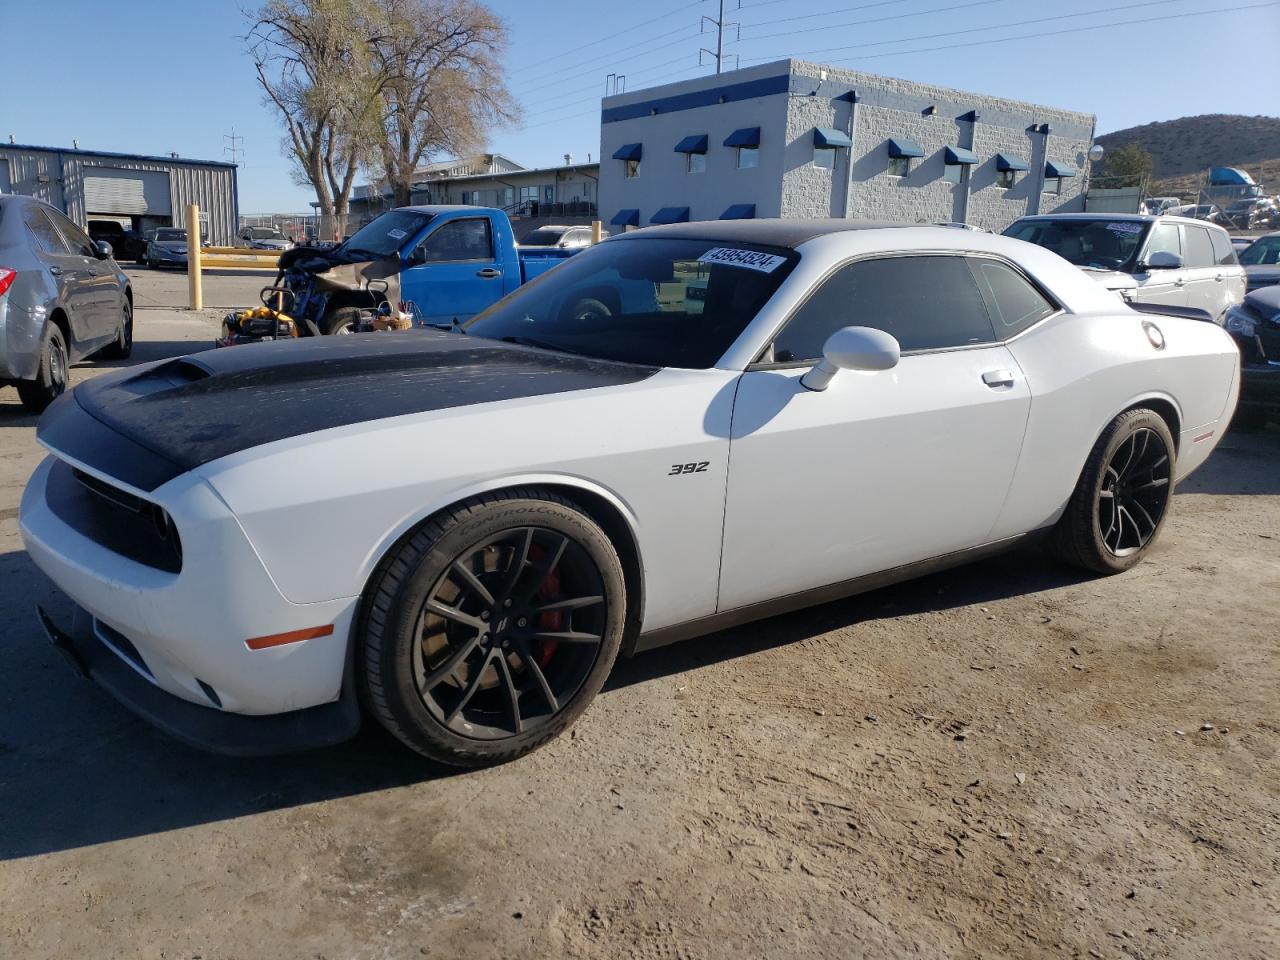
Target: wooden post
column 595, row 231
column 193, row 257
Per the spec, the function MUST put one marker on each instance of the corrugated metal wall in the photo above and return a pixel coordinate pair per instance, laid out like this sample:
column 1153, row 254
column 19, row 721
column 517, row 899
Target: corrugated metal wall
column 58, row 179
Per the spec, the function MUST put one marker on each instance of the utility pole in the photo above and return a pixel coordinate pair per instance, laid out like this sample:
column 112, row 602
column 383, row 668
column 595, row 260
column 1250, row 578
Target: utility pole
column 720, row 25
column 232, row 145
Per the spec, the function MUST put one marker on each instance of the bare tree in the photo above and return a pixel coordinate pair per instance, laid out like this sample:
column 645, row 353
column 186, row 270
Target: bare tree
column 439, row 69
column 313, row 60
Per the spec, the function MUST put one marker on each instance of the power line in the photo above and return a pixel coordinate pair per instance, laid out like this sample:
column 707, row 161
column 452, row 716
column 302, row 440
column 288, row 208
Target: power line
column 862, row 23
column 613, row 60
column 824, row 13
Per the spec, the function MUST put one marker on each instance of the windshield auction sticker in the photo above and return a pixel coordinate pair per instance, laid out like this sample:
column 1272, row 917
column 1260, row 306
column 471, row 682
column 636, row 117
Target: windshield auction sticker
column 396, row 234
column 751, row 259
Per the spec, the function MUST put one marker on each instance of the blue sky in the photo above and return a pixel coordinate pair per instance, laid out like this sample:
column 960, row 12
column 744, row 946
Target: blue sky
column 154, row 76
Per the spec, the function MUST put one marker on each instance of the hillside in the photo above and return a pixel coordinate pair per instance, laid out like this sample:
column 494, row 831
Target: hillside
column 1186, row 147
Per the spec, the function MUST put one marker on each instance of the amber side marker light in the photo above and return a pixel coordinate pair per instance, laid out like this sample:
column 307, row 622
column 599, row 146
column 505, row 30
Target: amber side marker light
column 293, row 636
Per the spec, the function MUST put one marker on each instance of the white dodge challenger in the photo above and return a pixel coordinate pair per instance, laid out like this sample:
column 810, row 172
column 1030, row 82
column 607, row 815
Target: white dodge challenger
column 683, row 428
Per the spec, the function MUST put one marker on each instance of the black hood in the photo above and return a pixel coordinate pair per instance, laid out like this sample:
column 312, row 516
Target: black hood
column 147, row 425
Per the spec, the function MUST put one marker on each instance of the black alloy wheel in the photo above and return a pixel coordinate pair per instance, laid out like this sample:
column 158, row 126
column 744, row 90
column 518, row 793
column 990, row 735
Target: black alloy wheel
column 1134, row 492
column 489, row 628
column 123, row 345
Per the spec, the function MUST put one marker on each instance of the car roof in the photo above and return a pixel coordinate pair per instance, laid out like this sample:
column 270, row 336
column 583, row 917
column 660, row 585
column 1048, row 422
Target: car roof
column 772, row 232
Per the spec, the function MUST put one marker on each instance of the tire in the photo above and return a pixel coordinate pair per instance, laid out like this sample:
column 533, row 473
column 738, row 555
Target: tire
column 1122, row 498
column 340, row 322
column 123, row 346
column 464, row 693
column 51, row 381
column 590, row 308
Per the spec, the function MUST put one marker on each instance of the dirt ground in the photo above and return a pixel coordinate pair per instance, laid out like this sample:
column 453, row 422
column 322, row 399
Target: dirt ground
column 1006, row 760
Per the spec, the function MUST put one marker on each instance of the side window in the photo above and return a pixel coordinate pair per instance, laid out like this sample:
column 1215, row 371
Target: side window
column 1164, row 237
column 1199, row 247
column 77, row 240
column 1012, row 302
column 42, row 230
column 926, row 302
column 459, row 240
column 1223, row 252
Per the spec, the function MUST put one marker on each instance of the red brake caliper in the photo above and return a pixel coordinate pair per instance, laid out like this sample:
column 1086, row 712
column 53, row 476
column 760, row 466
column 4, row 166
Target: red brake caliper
column 552, row 621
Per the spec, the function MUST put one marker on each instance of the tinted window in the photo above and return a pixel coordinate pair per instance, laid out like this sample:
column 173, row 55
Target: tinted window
column 1199, row 247
column 1265, row 251
column 1102, row 244
column 459, row 240
column 1164, row 239
column 1223, row 251
column 46, row 237
column 1012, row 302
column 926, row 302
column 670, row 303
column 77, row 240
column 170, row 235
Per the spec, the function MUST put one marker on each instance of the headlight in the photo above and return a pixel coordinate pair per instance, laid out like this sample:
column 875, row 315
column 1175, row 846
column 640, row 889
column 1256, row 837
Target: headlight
column 1239, row 322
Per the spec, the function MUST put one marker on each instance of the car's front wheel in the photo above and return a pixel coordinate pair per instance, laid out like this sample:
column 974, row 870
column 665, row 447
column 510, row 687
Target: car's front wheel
column 1122, row 497
column 489, row 629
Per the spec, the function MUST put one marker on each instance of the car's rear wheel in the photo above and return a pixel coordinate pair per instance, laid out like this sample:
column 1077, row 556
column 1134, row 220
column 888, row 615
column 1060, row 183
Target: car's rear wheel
column 51, row 380
column 488, row 630
column 1122, row 497
column 340, row 322
column 123, row 346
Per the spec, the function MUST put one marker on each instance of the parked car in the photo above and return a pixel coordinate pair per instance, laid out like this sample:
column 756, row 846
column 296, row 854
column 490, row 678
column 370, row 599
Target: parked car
column 1241, row 243
column 559, row 237
column 1158, row 205
column 448, row 262
column 126, row 243
column 463, row 530
column 1261, row 260
column 1170, row 261
column 167, row 247
column 1203, row 211
column 265, row 238
column 62, row 299
column 1252, row 213
column 1255, row 325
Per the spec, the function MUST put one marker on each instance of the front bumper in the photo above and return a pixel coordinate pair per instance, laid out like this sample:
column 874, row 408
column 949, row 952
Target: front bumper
column 1260, row 386
column 204, row 727
column 167, row 256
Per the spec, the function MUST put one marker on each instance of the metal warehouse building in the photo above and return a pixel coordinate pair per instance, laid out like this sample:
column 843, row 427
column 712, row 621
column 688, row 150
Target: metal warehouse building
column 797, row 139
column 137, row 191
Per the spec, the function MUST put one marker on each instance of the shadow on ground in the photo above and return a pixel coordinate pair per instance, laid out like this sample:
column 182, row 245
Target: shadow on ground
column 77, row 769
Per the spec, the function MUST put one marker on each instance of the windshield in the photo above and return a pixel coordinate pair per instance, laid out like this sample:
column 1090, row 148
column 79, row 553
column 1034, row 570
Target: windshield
column 661, row 302
column 1265, row 251
column 264, row 233
column 1100, row 244
column 171, row 235
column 544, row 237
column 387, row 234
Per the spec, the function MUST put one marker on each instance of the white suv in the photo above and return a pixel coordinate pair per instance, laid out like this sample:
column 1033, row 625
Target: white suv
column 1173, row 261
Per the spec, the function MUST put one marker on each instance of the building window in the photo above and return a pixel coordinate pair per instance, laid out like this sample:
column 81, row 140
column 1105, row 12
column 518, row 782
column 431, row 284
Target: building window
column 748, row 157
column 695, row 162
column 631, row 170
column 951, row 172
column 899, row 166
column 1008, row 178
column 1053, row 185
column 824, row 157
column 468, row 197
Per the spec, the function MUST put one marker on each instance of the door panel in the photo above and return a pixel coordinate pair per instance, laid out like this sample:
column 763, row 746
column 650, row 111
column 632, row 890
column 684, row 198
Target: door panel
column 1205, row 289
column 1162, row 286
column 93, row 292
column 879, row 470
column 460, row 276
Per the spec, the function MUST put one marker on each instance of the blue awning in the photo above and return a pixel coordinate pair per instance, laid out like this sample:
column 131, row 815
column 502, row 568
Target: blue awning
column 671, row 215
column 626, row 218
column 902, row 147
column 746, row 137
column 960, row 157
column 628, row 151
column 1052, row 169
column 1007, row 161
column 830, row 137
column 740, row 211
column 694, row 143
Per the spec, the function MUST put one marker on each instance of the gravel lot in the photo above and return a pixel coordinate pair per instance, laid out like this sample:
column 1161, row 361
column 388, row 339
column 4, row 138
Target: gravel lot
column 1004, row 760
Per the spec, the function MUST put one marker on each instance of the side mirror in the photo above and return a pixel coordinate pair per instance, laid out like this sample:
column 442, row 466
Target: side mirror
column 1164, row 260
column 853, row 348
column 103, row 250
column 418, row 256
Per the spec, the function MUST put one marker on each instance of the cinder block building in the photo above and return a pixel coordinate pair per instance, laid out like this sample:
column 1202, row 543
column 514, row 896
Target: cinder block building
column 797, row 139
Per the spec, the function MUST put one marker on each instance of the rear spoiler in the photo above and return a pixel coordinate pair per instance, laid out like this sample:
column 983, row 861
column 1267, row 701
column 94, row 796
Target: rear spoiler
column 1168, row 310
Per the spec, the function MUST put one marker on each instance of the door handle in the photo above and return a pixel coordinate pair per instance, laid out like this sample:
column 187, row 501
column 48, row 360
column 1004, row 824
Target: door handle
column 488, row 273
column 1179, row 283
column 998, row 378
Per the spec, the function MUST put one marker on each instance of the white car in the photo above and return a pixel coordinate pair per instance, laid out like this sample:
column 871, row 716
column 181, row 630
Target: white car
column 461, row 531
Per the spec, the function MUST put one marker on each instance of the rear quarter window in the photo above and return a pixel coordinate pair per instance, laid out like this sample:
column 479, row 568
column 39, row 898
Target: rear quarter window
column 1223, row 251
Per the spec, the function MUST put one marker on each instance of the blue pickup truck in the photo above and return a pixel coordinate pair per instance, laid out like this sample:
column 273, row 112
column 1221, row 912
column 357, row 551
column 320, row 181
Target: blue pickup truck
column 447, row 262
